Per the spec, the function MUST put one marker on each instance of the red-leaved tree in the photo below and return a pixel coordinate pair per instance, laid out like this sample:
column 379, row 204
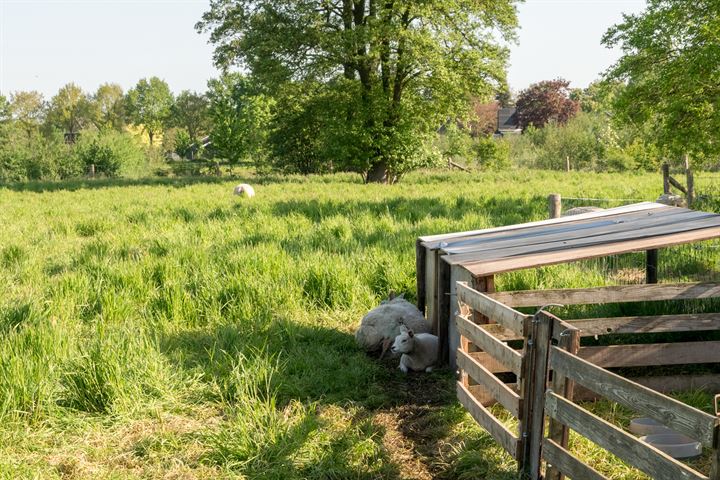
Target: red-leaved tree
column 546, row 101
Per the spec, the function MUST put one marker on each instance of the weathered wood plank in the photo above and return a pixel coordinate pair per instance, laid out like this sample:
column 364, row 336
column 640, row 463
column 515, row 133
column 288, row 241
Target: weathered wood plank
column 651, row 354
column 612, row 294
column 590, row 327
column 431, row 290
column 433, row 241
column 444, row 306
column 650, row 460
column 542, row 327
column 497, row 349
column 420, row 259
column 492, row 267
column 490, row 363
column 455, row 340
column 566, row 463
column 486, row 420
column 505, row 395
column 673, row 413
column 491, row 308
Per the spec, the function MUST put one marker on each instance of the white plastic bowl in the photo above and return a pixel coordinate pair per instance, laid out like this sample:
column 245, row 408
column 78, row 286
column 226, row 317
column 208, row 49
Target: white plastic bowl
column 648, row 426
column 674, row 444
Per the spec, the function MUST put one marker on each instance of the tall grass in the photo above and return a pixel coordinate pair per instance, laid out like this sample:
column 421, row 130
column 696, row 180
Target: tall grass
column 152, row 328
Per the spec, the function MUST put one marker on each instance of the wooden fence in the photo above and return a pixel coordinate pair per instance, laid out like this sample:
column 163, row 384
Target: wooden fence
column 551, row 350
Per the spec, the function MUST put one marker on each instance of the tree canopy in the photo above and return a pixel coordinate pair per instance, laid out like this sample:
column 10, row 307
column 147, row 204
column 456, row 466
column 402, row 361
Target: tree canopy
column 69, row 110
column 385, row 74
column 544, row 102
column 108, row 106
column 148, row 105
column 190, row 111
column 671, row 53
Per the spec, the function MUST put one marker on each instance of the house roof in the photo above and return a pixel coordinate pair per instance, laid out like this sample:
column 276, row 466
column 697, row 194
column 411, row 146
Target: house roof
column 637, row 227
column 507, row 119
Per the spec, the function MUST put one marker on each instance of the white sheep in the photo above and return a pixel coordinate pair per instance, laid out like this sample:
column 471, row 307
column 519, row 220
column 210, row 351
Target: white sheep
column 419, row 351
column 580, row 210
column 672, row 200
column 381, row 325
column 244, row 189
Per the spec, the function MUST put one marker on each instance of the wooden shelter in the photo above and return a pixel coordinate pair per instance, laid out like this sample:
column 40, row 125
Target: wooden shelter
column 477, row 256
column 531, row 364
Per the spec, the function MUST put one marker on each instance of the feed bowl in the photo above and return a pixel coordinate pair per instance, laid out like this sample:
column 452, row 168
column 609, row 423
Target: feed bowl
column 648, row 426
column 674, row 444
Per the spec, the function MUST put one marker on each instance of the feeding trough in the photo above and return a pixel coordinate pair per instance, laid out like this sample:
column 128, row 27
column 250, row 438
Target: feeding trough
column 674, row 444
column 648, row 426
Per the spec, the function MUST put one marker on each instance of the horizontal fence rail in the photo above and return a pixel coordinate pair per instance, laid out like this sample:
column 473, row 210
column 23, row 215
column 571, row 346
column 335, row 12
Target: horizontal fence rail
column 614, row 294
column 641, row 455
column 494, row 310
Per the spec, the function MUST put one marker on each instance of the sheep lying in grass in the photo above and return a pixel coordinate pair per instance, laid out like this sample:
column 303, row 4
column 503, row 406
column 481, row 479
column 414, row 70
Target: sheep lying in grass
column 579, row 210
column 244, row 189
column 382, row 324
column 419, row 351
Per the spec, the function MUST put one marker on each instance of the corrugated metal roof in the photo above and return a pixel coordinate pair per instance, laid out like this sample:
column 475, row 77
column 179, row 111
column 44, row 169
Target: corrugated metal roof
column 630, row 228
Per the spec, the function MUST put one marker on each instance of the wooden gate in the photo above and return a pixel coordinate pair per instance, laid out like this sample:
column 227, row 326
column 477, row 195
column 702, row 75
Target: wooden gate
column 546, row 364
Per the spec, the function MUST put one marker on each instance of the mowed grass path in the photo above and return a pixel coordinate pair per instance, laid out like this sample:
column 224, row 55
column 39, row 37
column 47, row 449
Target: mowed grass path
column 167, row 329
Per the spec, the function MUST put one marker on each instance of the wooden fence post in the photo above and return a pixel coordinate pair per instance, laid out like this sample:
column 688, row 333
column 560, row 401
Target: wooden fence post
column 534, row 431
column 567, row 163
column 651, row 266
column 666, row 178
column 559, row 433
column 420, row 265
column 554, row 205
column 91, row 170
column 690, row 182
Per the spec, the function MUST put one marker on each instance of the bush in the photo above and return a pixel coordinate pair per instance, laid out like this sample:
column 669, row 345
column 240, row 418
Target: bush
column 34, row 157
column 492, row 154
column 113, row 153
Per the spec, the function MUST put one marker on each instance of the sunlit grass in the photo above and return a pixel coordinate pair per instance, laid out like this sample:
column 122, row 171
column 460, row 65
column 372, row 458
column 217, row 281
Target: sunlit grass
column 163, row 327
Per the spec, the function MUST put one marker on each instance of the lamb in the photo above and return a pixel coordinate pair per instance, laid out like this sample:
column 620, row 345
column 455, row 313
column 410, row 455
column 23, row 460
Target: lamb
column 419, row 351
column 381, row 325
column 244, row 189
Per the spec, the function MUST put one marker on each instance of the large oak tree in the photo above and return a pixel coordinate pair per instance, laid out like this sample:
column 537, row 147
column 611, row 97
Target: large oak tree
column 387, row 73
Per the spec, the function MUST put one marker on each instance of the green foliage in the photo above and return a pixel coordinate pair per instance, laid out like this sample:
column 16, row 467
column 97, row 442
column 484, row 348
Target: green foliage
column 383, row 76
column 492, row 154
column 113, row 153
column 670, row 51
column 148, row 105
column 34, row 157
column 190, row 112
column 28, row 110
column 70, row 110
column 239, row 114
column 108, row 106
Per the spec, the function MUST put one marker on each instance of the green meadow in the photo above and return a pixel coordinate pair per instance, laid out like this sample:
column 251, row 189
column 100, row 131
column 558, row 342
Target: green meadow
column 165, row 328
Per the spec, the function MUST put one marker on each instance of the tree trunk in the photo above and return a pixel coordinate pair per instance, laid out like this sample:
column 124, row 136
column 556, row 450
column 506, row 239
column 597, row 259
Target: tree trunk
column 378, row 173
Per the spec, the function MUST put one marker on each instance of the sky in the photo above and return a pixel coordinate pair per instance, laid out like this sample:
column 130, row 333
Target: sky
column 45, row 44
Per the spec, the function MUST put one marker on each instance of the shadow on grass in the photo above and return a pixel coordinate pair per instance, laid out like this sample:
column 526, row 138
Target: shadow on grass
column 340, row 386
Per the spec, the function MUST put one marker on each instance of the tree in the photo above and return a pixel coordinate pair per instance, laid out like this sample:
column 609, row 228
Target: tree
column 28, row 110
column 108, row 107
column 670, row 55
column 4, row 108
column 190, row 111
column 546, row 101
column 148, row 105
column 238, row 114
column 388, row 73
column 69, row 110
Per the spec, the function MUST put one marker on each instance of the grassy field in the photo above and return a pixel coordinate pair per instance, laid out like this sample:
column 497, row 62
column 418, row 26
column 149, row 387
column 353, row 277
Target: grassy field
column 166, row 329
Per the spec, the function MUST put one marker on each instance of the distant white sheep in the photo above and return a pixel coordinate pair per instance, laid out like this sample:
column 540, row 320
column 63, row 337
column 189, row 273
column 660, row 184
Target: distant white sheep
column 244, row 189
column 419, row 350
column 672, row 200
column 381, row 325
column 579, row 210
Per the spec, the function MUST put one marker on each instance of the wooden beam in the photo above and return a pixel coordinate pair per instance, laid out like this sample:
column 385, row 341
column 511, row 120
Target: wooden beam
column 554, row 205
column 495, row 387
column 651, row 266
column 486, row 420
column 613, row 294
column 483, row 268
column 491, row 308
column 563, row 461
column 666, row 178
column 641, row 455
column 654, row 354
column 590, row 327
column 420, row 260
column 680, row 417
column 501, row 352
column 443, row 310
